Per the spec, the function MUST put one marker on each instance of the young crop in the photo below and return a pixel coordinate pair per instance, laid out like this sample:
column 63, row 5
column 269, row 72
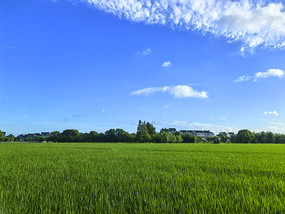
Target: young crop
column 141, row 178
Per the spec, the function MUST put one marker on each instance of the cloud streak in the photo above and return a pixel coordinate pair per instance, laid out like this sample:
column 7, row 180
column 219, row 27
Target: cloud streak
column 252, row 22
column 262, row 75
column 277, row 126
column 243, row 78
column 145, row 52
column 7, row 46
column 179, row 91
column 275, row 113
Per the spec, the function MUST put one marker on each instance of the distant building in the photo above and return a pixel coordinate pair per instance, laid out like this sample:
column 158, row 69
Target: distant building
column 23, row 137
column 199, row 133
column 204, row 133
column 184, row 132
column 30, row 135
column 172, row 130
column 228, row 134
column 169, row 130
column 46, row 134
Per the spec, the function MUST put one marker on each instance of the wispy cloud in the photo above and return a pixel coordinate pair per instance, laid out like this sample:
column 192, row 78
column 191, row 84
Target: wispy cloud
column 275, row 113
column 243, row 78
column 218, row 118
column 179, row 91
column 262, row 75
column 252, row 22
column 277, row 127
column 270, row 73
column 166, row 107
column 7, row 46
column 273, row 128
column 145, row 52
column 166, row 64
column 222, row 118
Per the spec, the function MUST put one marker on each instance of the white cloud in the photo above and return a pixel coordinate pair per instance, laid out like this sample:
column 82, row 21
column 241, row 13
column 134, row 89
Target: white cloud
column 166, row 64
column 270, row 73
column 179, row 91
column 145, row 52
column 242, row 50
column 254, row 22
column 262, row 75
column 275, row 113
column 243, row 78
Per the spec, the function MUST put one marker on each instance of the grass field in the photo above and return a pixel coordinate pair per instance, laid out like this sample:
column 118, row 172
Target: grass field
column 142, row 178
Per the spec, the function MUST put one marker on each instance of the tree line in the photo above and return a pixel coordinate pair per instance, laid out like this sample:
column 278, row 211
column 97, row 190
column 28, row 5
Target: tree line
column 246, row 136
column 146, row 133
column 9, row 138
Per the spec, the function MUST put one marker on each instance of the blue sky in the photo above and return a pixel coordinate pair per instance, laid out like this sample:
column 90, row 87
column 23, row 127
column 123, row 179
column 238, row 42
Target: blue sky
column 95, row 65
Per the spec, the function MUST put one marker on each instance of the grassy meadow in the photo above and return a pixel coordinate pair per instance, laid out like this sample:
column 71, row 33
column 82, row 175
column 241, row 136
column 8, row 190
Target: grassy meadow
column 141, row 178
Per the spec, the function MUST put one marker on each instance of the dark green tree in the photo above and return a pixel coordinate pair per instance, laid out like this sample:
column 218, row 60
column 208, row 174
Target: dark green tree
column 92, row 136
column 189, row 138
column 10, row 138
column 55, row 133
column 142, row 133
column 70, row 135
column 150, row 129
column 111, row 135
column 245, row 136
column 223, row 138
column 39, row 139
column 269, row 137
column 2, row 136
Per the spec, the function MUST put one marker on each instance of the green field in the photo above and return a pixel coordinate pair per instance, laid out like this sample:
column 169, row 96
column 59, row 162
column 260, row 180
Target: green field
column 141, row 178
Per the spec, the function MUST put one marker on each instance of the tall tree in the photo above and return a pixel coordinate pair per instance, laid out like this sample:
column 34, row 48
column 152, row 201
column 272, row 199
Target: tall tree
column 142, row 133
column 150, row 129
column 1, row 136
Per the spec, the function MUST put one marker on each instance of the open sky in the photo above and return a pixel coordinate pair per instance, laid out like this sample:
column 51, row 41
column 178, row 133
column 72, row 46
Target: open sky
column 187, row 64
